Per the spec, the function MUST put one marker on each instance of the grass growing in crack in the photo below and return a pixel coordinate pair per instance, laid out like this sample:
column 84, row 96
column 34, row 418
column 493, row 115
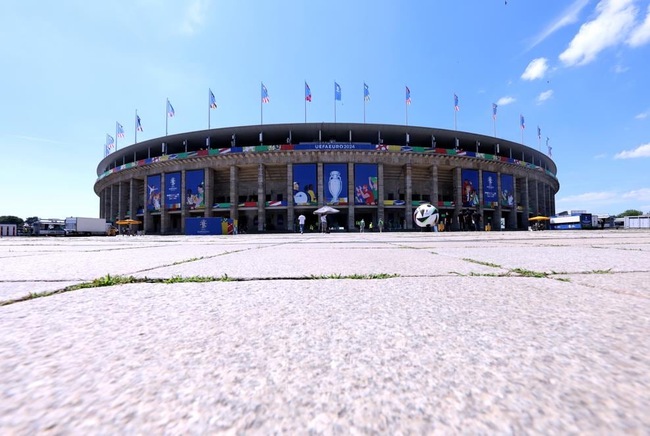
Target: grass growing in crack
column 193, row 259
column 196, row 279
column 493, row 265
column 528, row 273
column 353, row 276
column 601, row 271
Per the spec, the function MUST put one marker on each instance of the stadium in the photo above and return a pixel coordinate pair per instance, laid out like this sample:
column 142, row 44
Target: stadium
column 262, row 177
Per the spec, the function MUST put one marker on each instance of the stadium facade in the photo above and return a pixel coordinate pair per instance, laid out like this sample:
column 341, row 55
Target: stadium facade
column 265, row 176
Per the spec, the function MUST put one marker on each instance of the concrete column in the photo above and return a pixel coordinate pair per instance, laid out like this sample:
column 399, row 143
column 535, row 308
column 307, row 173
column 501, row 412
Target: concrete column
column 101, row 204
column 320, row 188
column 408, row 207
column 147, row 221
column 184, row 212
column 512, row 222
column 351, row 226
column 261, row 199
column 290, row 207
column 234, row 193
column 164, row 213
column 496, row 225
column 458, row 198
column 208, row 177
column 481, row 198
column 434, row 185
column 380, row 192
column 113, row 204
column 526, row 203
column 133, row 198
column 536, row 205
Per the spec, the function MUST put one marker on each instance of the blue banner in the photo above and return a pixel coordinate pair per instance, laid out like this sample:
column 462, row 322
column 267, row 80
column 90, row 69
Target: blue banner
column 335, row 183
column 470, row 188
column 194, row 189
column 153, row 193
column 305, row 184
column 490, row 194
column 507, row 191
column 365, row 184
column 172, row 191
column 203, row 226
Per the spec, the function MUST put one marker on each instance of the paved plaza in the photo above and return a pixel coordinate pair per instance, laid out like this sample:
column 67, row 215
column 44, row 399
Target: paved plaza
column 429, row 333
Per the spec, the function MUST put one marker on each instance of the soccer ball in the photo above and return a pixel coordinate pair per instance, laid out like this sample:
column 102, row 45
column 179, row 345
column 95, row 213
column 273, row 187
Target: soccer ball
column 426, row 215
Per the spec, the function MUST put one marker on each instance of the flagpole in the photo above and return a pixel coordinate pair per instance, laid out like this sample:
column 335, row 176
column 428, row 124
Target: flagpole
column 406, row 111
column 116, row 137
column 209, row 108
column 455, row 123
column 305, row 101
column 166, row 117
column 364, row 102
column 261, row 105
column 136, row 126
column 335, row 102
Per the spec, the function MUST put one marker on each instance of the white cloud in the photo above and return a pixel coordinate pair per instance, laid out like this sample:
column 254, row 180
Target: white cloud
column 600, row 156
column 641, row 35
column 541, row 98
column 619, row 69
column 641, row 116
column 642, row 194
column 503, row 101
column 195, row 15
column 640, row 151
column 535, row 69
column 568, row 16
column 612, row 25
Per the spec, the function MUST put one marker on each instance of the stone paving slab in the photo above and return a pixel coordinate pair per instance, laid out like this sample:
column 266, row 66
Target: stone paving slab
column 321, row 260
column 476, row 350
column 453, row 355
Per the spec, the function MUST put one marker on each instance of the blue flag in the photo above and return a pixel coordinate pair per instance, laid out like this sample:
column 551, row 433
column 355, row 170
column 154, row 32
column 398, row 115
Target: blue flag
column 366, row 92
column 213, row 101
column 337, row 91
column 119, row 130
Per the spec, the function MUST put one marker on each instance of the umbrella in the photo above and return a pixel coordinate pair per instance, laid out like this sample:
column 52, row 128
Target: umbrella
column 539, row 218
column 127, row 222
column 325, row 210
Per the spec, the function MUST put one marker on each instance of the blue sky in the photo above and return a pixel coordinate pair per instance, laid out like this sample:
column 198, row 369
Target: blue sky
column 580, row 70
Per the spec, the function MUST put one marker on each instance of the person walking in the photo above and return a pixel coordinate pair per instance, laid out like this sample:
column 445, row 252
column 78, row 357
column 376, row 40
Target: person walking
column 362, row 225
column 323, row 223
column 301, row 222
column 380, row 224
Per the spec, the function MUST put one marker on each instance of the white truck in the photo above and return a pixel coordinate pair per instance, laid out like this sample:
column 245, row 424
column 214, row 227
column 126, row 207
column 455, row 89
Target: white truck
column 78, row 226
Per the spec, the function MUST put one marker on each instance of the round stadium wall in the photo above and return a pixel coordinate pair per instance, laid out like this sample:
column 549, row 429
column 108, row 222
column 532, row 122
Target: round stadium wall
column 265, row 176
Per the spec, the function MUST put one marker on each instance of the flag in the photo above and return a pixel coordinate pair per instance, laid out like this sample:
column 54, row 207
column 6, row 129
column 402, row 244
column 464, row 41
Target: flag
column 408, row 95
column 307, row 92
column 494, row 111
column 539, row 133
column 521, row 121
column 119, row 130
column 170, row 109
column 366, row 92
column 110, row 145
column 456, row 107
column 138, row 123
column 337, row 91
column 550, row 149
column 213, row 101
column 265, row 94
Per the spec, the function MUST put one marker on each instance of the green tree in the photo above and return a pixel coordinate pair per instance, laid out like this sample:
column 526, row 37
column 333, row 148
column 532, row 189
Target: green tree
column 9, row 219
column 629, row 212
